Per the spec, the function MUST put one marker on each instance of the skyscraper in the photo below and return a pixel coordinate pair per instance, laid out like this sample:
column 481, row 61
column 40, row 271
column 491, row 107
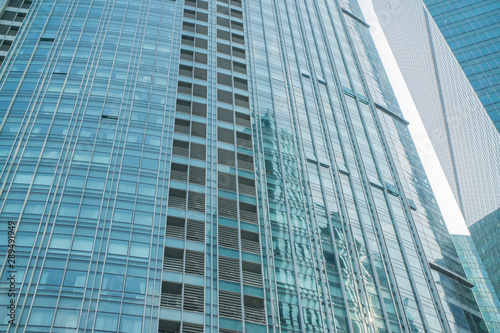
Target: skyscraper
column 12, row 14
column 464, row 138
column 466, row 142
column 472, row 30
column 222, row 166
column 483, row 290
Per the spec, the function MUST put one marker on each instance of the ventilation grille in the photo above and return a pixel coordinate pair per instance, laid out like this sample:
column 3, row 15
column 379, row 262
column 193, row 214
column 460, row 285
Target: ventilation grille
column 198, row 151
column 194, row 299
column 198, row 129
column 178, row 172
column 228, row 208
column 254, row 309
column 225, row 135
column 229, row 269
column 248, row 213
column 171, row 295
column 250, row 242
column 181, row 126
column 175, row 227
column 177, row 198
column 191, row 328
column 180, row 148
column 242, row 120
column 195, row 231
column 174, row 260
column 246, row 186
column 196, row 202
column 229, row 304
column 244, row 140
column 197, row 175
column 228, row 237
column 227, row 181
column 252, row 275
column 226, row 157
column 245, row 162
column 195, row 263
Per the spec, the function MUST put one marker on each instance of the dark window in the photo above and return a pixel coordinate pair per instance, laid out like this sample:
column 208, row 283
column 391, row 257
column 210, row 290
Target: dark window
column 189, row 13
column 240, row 83
column 200, row 58
column 184, row 87
column 187, row 55
column 200, row 73
column 187, row 26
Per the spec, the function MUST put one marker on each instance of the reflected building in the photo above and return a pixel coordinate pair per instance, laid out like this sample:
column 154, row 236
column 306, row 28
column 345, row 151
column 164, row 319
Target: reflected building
column 463, row 135
column 472, row 29
column 222, row 166
column 483, row 290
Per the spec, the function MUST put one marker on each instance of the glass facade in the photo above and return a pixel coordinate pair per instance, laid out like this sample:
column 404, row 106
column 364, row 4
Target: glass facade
column 471, row 28
column 466, row 142
column 222, row 166
column 12, row 14
column 485, row 236
column 475, row 272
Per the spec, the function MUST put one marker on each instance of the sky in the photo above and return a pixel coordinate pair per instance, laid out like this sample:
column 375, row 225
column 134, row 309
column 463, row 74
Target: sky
column 444, row 196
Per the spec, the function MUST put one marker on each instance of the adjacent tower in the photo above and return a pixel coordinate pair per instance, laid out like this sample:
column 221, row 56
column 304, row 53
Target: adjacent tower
column 464, row 138
column 472, row 30
column 221, row 166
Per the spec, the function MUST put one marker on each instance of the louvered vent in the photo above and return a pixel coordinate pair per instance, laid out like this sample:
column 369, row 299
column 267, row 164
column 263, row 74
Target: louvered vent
column 229, row 304
column 199, row 109
column 228, row 237
column 195, row 262
column 242, row 119
column 198, row 151
column 197, row 175
column 183, row 106
column 198, row 129
column 171, row 295
column 180, row 148
column 252, row 274
column 227, row 181
column 175, row 227
column 246, row 186
column 244, row 140
column 250, row 242
column 226, row 157
column 227, row 208
column 194, row 299
column 178, row 172
column 229, row 269
column 245, row 162
column 248, row 213
column 196, row 202
column 225, row 115
column 177, row 198
column 191, row 328
column 225, row 135
column 181, row 126
column 195, row 231
column 173, row 259
column 254, row 309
